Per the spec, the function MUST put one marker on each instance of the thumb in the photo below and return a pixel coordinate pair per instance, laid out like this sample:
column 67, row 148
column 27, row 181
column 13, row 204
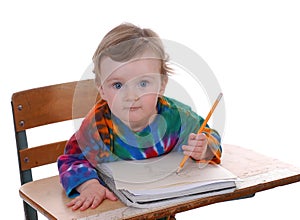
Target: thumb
column 192, row 136
column 110, row 195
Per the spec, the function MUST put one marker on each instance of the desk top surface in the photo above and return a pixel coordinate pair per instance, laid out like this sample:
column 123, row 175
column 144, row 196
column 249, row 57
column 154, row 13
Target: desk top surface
column 257, row 171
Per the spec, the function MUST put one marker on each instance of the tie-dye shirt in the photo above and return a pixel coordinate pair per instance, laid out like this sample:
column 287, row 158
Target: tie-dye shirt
column 102, row 137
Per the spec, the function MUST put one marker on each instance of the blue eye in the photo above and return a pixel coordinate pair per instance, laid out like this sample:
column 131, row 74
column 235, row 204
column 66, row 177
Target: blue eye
column 143, row 83
column 117, row 85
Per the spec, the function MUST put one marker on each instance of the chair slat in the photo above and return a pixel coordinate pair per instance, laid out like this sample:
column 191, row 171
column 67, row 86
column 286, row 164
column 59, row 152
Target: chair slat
column 41, row 155
column 56, row 103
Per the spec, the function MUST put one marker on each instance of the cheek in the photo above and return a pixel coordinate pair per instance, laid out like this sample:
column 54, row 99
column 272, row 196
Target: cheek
column 150, row 99
column 107, row 94
column 113, row 101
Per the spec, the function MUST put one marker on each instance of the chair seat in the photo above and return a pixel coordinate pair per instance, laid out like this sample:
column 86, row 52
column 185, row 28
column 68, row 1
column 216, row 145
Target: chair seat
column 49, row 198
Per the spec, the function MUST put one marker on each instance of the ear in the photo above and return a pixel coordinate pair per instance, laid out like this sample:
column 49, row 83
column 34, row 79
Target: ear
column 102, row 93
column 164, row 82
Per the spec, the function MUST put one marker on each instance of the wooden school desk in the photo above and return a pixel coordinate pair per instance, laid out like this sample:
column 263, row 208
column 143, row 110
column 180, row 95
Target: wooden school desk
column 257, row 171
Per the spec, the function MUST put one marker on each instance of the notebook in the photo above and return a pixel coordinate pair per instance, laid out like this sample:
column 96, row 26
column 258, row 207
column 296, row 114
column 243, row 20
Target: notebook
column 154, row 182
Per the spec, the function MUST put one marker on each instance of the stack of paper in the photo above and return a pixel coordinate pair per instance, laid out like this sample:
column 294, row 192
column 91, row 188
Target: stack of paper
column 154, row 181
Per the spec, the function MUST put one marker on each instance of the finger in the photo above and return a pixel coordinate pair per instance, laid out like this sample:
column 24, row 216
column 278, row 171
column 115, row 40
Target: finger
column 192, row 136
column 192, row 152
column 187, row 148
column 195, row 146
column 86, row 204
column 191, row 148
column 200, row 136
column 77, row 205
column 110, row 195
column 187, row 153
column 96, row 202
column 197, row 143
column 71, row 203
column 200, row 142
column 195, row 155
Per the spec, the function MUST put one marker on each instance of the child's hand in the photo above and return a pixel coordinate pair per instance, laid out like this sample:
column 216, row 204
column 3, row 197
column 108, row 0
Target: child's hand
column 92, row 193
column 197, row 146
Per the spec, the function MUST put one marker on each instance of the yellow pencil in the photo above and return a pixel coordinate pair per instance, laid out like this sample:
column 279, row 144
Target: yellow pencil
column 201, row 129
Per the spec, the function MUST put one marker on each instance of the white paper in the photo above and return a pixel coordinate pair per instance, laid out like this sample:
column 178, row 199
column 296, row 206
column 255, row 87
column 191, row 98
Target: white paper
column 159, row 174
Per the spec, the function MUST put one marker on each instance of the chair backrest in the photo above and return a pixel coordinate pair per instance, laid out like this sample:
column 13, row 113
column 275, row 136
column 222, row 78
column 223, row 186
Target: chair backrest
column 43, row 106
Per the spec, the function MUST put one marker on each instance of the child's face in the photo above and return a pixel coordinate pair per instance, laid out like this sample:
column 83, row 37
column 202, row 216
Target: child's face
column 131, row 89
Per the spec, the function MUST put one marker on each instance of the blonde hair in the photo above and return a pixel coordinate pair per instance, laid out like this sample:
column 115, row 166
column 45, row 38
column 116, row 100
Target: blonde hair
column 126, row 41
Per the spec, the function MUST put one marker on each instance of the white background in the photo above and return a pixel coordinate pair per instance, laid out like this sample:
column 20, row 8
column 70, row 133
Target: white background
column 252, row 47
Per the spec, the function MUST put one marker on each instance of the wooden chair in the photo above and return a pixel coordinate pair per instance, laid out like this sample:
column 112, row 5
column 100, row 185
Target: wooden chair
column 44, row 106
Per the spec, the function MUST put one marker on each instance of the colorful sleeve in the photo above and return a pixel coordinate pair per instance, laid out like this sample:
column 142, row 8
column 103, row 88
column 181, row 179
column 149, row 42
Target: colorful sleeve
column 74, row 168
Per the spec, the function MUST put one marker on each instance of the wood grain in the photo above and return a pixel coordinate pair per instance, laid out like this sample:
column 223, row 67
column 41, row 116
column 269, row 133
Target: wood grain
column 41, row 155
column 55, row 103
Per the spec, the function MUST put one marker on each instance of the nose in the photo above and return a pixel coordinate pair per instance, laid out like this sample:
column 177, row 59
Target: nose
column 130, row 94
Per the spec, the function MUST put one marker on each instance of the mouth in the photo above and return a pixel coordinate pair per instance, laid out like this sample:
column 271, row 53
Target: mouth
column 132, row 108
